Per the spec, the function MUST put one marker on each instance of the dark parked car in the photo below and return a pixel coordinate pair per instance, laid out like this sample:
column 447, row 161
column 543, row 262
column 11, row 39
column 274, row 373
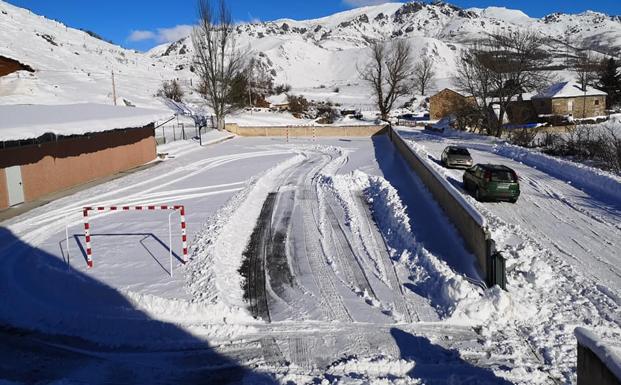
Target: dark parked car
column 455, row 156
column 493, row 182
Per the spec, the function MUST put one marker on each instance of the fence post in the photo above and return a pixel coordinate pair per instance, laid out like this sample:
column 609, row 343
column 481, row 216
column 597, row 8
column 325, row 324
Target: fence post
column 183, row 130
column 164, row 134
column 174, row 134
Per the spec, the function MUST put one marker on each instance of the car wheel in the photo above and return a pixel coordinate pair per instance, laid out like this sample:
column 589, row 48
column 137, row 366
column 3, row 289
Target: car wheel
column 514, row 200
column 477, row 195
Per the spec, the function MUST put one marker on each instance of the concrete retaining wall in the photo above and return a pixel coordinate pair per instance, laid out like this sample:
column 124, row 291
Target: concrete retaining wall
column 467, row 220
column 307, row 131
column 598, row 362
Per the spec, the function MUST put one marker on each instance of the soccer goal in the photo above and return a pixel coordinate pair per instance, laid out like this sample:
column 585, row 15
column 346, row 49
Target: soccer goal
column 173, row 209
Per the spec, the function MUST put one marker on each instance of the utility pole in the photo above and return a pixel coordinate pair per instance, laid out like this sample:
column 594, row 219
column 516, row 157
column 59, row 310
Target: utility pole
column 113, row 89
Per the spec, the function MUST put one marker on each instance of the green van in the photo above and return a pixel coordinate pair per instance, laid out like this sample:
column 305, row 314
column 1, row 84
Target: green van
column 492, row 182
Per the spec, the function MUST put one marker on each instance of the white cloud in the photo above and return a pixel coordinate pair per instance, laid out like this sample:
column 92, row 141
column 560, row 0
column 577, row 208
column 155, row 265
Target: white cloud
column 141, row 36
column 364, row 3
column 161, row 35
column 166, row 35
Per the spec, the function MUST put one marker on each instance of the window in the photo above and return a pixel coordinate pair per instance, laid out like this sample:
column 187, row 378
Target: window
column 597, row 102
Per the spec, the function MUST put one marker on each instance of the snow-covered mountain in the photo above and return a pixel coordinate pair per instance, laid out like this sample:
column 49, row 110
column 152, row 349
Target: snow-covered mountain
column 74, row 66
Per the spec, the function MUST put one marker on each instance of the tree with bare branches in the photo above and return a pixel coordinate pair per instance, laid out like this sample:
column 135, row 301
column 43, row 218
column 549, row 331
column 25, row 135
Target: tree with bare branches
column 218, row 61
column 503, row 66
column 388, row 73
column 424, row 74
column 586, row 69
column 474, row 79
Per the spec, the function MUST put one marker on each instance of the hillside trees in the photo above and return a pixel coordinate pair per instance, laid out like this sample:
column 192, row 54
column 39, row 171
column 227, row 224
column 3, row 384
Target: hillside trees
column 501, row 67
column 388, row 73
column 424, row 74
column 218, row 61
column 609, row 81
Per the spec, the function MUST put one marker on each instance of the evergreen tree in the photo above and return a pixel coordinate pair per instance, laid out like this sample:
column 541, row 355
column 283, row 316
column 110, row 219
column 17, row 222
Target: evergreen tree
column 610, row 81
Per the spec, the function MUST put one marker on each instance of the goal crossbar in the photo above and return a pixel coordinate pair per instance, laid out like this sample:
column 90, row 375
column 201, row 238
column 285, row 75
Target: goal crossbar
column 87, row 226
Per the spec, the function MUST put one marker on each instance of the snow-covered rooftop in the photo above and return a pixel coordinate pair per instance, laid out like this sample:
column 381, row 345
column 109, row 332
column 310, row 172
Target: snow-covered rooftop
column 568, row 90
column 20, row 122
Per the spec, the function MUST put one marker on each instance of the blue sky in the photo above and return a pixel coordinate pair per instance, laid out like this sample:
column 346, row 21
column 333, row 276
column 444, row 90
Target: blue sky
column 142, row 24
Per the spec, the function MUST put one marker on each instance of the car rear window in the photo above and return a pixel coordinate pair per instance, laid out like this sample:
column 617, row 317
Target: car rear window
column 459, row 151
column 502, row 176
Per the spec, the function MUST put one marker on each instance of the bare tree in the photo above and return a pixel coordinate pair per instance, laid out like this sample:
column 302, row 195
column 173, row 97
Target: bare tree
column 475, row 80
column 171, row 90
column 586, row 69
column 503, row 66
column 218, row 61
column 388, row 73
column 424, row 74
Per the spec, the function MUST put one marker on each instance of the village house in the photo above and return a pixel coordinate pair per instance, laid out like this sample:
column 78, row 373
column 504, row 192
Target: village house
column 46, row 149
column 447, row 102
column 569, row 99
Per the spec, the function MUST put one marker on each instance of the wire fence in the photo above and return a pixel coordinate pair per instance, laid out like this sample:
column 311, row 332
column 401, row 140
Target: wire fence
column 176, row 130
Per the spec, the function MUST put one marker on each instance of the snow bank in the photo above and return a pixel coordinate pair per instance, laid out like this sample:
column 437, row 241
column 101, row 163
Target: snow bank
column 604, row 351
column 591, row 178
column 452, row 295
column 373, row 367
column 20, row 122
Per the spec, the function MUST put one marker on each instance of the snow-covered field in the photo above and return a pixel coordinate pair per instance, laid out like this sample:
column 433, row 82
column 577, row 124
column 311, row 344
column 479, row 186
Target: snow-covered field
column 354, row 293
column 310, row 261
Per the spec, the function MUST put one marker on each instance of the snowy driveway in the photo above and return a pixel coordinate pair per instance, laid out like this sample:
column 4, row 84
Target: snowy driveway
column 583, row 229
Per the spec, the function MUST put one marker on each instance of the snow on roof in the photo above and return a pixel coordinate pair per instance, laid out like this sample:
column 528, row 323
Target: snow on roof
column 24, row 121
column 568, row 90
column 604, row 351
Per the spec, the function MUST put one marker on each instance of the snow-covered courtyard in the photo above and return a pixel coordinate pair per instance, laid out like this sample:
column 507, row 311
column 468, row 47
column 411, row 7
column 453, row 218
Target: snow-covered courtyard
column 310, row 260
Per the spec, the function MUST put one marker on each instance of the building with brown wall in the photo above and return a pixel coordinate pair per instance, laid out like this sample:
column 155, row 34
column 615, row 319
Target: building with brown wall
column 569, row 99
column 447, row 102
column 8, row 66
column 33, row 166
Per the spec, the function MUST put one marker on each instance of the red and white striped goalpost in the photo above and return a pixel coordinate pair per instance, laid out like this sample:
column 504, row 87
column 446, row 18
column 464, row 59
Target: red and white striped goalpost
column 87, row 227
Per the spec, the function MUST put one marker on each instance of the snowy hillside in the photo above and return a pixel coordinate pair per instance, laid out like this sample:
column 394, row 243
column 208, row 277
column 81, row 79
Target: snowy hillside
column 72, row 66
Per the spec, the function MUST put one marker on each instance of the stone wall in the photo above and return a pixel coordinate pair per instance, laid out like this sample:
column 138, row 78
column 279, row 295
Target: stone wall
column 307, row 131
column 578, row 107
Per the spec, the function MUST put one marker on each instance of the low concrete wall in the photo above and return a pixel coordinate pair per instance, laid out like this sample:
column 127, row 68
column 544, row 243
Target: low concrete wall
column 597, row 364
column 466, row 219
column 57, row 165
column 592, row 371
column 307, row 131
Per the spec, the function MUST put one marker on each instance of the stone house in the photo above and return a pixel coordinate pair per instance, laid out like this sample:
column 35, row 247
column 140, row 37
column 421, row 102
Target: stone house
column 569, row 99
column 447, row 102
